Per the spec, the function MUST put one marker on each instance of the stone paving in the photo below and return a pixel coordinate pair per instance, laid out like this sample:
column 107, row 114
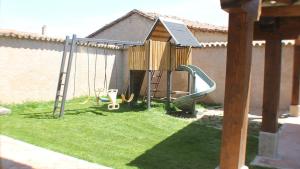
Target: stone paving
column 15, row 154
column 288, row 149
column 288, row 143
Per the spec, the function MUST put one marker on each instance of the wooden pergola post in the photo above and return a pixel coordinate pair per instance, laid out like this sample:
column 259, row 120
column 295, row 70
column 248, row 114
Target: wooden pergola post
column 238, row 69
column 271, row 93
column 268, row 138
column 295, row 107
column 276, row 23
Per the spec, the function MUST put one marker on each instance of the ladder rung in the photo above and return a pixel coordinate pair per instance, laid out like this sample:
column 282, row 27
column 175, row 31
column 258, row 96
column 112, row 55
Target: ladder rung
column 145, row 97
column 59, row 96
column 154, row 90
column 155, row 83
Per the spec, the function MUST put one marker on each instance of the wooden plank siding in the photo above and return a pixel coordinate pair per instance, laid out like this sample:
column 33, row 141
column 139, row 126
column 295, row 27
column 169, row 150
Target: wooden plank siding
column 137, row 57
column 183, row 57
column 159, row 53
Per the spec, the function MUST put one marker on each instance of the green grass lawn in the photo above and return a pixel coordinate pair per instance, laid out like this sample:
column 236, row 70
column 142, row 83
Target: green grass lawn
column 127, row 138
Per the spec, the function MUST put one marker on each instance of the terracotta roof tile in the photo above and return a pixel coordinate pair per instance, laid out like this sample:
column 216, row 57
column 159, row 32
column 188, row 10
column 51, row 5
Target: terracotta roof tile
column 33, row 36
column 25, row 35
column 8, row 33
column 150, row 15
column 255, row 44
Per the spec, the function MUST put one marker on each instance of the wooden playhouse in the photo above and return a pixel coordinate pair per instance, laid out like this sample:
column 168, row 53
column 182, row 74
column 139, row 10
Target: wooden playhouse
column 168, row 45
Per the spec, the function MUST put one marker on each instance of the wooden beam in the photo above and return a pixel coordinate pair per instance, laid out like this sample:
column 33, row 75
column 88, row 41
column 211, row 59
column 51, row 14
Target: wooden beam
column 161, row 34
column 251, row 7
column 297, row 42
column 271, row 92
column 163, row 39
column 288, row 2
column 285, row 27
column 296, row 76
column 278, row 2
column 281, row 11
column 160, row 31
column 236, row 103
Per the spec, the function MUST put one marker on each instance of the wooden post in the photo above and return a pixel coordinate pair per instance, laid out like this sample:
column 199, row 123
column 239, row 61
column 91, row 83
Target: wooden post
column 149, row 89
column 149, row 75
column 295, row 107
column 271, row 92
column 169, row 88
column 296, row 76
column 169, row 77
column 236, row 103
column 189, row 83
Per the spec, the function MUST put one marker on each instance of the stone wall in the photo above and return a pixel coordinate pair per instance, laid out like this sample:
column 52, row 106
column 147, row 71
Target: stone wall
column 209, row 36
column 29, row 71
column 213, row 61
column 30, row 68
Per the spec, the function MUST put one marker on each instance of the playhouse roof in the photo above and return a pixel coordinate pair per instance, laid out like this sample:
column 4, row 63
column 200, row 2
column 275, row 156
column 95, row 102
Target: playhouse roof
column 174, row 30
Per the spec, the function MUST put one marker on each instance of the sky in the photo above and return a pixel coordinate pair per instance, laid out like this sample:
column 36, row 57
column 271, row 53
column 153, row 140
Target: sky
column 82, row 17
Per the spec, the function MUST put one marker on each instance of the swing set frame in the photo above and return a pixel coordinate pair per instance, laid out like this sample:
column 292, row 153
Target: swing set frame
column 64, row 75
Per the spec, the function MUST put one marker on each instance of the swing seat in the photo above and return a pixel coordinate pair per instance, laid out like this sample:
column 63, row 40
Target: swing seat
column 104, row 99
column 125, row 100
column 113, row 106
column 112, row 95
column 102, row 95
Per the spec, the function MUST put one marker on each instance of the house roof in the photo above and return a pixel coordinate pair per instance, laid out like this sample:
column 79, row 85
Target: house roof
column 177, row 30
column 204, row 27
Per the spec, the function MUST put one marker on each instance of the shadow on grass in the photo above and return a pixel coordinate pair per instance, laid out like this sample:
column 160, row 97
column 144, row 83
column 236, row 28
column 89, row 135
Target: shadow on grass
column 182, row 114
column 123, row 108
column 195, row 146
column 38, row 115
column 95, row 109
column 49, row 114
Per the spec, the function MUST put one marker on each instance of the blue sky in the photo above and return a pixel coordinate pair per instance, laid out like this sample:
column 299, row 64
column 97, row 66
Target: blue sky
column 65, row 17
